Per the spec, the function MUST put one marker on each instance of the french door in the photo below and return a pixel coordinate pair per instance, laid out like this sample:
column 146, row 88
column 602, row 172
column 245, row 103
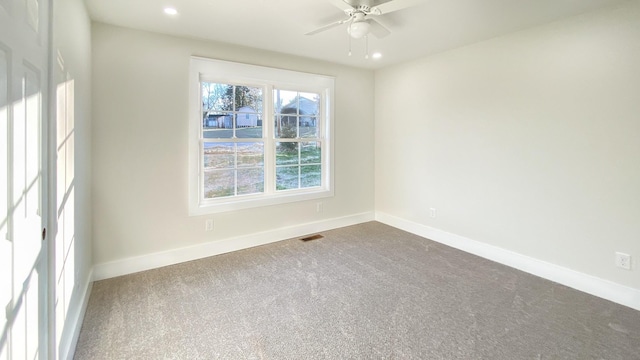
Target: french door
column 24, row 264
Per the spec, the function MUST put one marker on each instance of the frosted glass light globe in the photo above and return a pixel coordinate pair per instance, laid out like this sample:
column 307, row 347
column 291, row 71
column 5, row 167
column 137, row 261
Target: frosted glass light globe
column 358, row 29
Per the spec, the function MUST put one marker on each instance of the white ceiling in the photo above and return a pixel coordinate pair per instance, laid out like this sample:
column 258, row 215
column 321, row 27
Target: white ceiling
column 279, row 25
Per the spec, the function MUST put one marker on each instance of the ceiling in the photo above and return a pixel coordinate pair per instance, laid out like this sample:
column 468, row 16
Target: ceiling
column 427, row 28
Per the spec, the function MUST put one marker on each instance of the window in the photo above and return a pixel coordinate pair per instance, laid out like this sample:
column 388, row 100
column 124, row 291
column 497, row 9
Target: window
column 232, row 142
column 258, row 136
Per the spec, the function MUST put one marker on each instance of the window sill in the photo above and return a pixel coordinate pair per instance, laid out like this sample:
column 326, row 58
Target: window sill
column 249, row 202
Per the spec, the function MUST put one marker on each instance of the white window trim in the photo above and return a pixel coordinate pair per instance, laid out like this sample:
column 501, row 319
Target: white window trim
column 238, row 73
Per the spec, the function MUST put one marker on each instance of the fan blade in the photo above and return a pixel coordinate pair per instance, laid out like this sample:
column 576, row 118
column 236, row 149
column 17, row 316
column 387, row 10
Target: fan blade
column 340, row 4
column 378, row 30
column 329, row 26
column 394, row 5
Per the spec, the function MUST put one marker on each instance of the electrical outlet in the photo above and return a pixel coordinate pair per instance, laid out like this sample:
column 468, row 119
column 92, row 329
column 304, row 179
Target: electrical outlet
column 319, row 207
column 208, row 225
column 623, row 260
column 433, row 212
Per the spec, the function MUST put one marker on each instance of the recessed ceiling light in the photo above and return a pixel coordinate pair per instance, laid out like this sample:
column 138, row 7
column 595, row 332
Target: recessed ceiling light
column 376, row 55
column 170, row 11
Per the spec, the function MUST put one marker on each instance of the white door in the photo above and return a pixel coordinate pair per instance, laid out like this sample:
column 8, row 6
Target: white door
column 24, row 51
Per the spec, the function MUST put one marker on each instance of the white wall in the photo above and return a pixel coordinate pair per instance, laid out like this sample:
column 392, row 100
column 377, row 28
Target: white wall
column 140, row 95
column 529, row 142
column 72, row 39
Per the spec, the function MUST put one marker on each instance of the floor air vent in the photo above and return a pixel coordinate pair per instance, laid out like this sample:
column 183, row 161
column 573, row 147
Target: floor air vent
column 312, row 237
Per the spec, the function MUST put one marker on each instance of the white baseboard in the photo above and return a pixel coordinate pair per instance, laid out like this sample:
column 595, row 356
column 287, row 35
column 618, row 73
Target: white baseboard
column 589, row 284
column 175, row 256
column 73, row 324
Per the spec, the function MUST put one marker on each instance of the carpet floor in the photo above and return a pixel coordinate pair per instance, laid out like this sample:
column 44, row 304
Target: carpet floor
column 367, row 291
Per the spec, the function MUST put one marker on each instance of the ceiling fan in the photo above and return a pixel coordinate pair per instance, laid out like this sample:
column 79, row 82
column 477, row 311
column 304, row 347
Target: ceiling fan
column 360, row 13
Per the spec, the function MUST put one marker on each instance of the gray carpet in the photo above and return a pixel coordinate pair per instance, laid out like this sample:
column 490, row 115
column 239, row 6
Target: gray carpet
column 362, row 292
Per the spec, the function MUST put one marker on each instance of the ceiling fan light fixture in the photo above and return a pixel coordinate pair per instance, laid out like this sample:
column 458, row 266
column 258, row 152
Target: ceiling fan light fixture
column 358, row 29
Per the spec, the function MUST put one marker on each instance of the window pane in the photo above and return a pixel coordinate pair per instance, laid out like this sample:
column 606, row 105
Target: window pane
column 287, row 177
column 217, row 97
column 250, row 181
column 310, row 153
column 296, row 114
column 286, row 126
column 250, row 154
column 286, row 114
column 219, row 183
column 284, row 99
column 248, row 125
column 217, row 125
column 287, row 153
column 309, row 103
column 216, row 120
column 310, row 176
column 314, row 100
column 248, row 98
column 308, row 127
column 248, row 104
column 219, row 155
column 218, row 134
